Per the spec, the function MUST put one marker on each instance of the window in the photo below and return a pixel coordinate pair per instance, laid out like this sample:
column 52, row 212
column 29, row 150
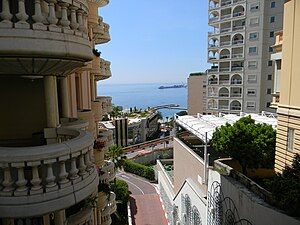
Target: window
column 290, row 139
column 269, row 90
column 251, row 79
column 272, row 19
column 270, row 49
column 251, row 92
column 268, row 104
column 252, row 64
column 270, row 63
column 269, row 77
column 254, row 7
column 254, row 21
column 253, row 36
column 250, row 105
column 252, row 50
column 272, row 34
column 273, row 4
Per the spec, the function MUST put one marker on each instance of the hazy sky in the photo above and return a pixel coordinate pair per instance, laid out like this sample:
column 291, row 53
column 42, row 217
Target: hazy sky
column 155, row 41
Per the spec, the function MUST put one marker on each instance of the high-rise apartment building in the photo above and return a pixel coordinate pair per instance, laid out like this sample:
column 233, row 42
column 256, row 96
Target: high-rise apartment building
column 52, row 167
column 239, row 49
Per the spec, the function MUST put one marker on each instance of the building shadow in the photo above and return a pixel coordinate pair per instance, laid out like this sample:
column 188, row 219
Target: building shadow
column 133, row 209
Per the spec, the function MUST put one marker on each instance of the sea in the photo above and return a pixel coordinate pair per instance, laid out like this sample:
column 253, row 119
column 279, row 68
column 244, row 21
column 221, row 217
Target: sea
column 143, row 96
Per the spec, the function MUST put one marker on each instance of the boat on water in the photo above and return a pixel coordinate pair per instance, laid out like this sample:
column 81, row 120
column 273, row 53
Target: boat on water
column 173, row 86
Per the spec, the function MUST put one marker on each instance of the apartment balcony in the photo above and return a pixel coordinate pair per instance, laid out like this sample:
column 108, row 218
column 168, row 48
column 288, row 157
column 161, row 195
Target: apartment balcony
column 101, row 32
column 106, row 103
column 45, row 40
column 238, row 28
column 275, row 100
column 225, row 30
column 235, row 105
column 109, row 169
column 105, row 216
column 100, row 69
column 42, row 179
column 83, row 217
column 74, row 123
column 111, row 203
column 225, row 43
column 107, row 134
column 100, row 3
column 97, row 110
column 237, row 68
column 223, row 107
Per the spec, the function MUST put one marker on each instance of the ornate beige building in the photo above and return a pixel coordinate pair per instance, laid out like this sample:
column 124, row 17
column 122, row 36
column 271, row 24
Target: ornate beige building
column 52, row 167
column 287, row 97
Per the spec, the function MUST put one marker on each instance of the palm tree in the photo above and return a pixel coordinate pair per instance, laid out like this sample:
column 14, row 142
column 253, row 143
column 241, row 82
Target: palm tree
column 114, row 153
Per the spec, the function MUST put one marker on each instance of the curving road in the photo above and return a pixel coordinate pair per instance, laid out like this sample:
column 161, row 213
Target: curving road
column 145, row 205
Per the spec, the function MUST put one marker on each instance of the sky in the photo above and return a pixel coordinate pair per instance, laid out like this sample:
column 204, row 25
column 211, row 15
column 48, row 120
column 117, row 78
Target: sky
column 155, row 41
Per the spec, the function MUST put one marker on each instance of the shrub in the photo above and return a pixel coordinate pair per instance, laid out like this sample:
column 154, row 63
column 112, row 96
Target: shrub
column 139, row 169
column 286, row 188
column 120, row 188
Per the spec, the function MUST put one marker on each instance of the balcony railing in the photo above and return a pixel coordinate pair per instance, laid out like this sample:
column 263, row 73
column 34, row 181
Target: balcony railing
column 227, row 56
column 237, row 68
column 101, row 69
column 224, row 107
column 101, row 32
column 213, row 70
column 74, row 123
column 235, row 28
column 42, row 179
column 224, row 95
column 224, row 43
column 223, row 82
column 237, row 42
column 224, row 17
column 236, row 95
column 224, row 30
column 236, row 108
column 213, row 19
column 237, row 14
column 237, row 55
column 236, row 81
column 106, row 103
column 40, row 30
column 225, row 3
column 224, row 69
column 83, row 217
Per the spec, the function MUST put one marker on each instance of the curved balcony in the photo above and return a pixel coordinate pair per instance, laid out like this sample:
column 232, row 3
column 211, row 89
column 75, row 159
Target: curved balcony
column 106, row 103
column 112, row 202
column 97, row 109
column 88, row 115
column 100, row 3
column 43, row 41
column 105, row 216
column 109, row 168
column 42, row 179
column 102, row 200
column 74, row 123
column 83, row 217
column 100, row 69
column 101, row 32
column 107, row 135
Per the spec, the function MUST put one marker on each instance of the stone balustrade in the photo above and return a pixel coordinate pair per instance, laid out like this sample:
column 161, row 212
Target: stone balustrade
column 37, row 180
column 105, row 216
column 100, row 3
column 33, row 31
column 101, row 32
column 88, row 115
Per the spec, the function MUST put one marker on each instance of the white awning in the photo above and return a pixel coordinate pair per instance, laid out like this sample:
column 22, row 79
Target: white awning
column 201, row 125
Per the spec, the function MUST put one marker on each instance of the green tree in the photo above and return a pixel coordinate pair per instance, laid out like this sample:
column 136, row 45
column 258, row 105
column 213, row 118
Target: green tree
column 286, row 188
column 114, row 153
column 251, row 144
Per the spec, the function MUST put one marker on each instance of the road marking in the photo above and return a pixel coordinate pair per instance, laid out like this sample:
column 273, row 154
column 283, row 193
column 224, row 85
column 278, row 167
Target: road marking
column 134, row 185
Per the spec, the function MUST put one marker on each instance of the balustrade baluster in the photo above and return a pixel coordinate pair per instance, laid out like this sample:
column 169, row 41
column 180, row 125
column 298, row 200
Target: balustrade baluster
column 38, row 17
column 21, row 182
column 82, row 166
column 36, row 181
column 87, row 161
column 74, row 171
column 52, row 19
column 63, row 181
column 7, row 182
column 5, row 15
column 50, row 179
column 74, row 25
column 22, row 16
column 80, row 20
column 64, row 21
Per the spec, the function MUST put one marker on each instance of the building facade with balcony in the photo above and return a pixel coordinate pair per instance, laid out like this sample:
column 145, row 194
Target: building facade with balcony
column 239, row 48
column 50, row 165
column 287, row 88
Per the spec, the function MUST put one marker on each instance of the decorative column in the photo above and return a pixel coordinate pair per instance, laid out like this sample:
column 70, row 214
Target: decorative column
column 59, row 217
column 51, row 101
column 38, row 17
column 5, row 15
column 22, row 16
column 64, row 90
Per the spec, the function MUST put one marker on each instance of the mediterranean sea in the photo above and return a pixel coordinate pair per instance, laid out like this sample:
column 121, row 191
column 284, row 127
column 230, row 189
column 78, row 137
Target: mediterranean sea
column 144, row 96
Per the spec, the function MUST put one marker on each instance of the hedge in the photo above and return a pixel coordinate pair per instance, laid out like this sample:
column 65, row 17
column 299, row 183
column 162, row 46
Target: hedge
column 139, row 169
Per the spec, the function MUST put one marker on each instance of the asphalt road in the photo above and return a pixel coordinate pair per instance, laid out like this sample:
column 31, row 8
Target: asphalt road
column 145, row 205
